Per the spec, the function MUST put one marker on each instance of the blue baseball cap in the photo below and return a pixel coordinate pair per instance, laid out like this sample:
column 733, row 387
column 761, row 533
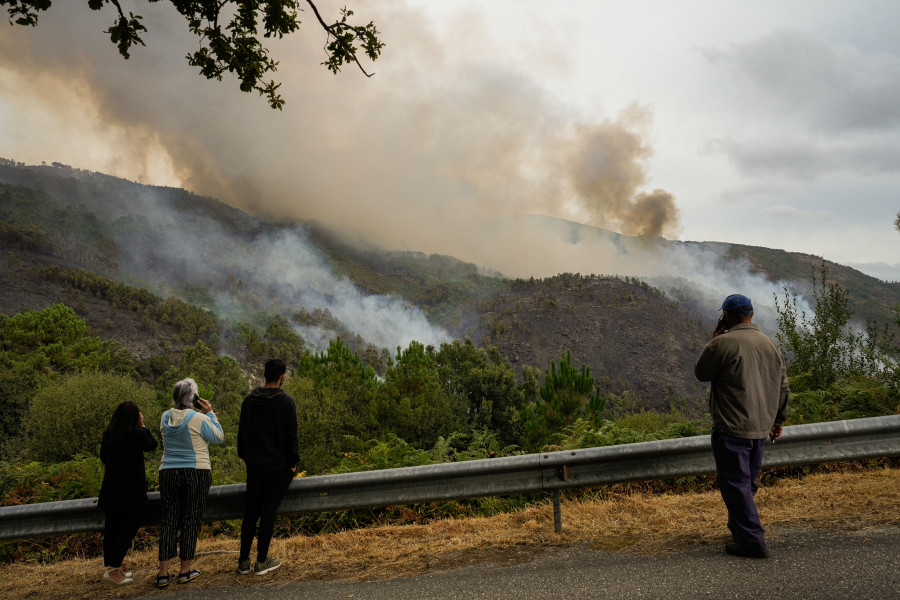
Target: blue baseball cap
column 738, row 303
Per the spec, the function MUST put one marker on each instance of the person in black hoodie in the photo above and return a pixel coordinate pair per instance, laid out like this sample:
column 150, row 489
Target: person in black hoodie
column 268, row 445
column 123, row 493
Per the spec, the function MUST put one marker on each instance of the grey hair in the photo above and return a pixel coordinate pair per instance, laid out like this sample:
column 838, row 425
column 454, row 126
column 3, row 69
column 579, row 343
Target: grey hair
column 183, row 393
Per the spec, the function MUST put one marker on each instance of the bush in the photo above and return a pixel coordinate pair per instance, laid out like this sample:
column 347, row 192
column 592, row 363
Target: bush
column 35, row 482
column 854, row 397
column 68, row 417
column 324, row 419
column 649, row 422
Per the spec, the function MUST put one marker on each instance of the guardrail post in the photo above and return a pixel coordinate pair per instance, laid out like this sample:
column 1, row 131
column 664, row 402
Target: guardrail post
column 557, row 513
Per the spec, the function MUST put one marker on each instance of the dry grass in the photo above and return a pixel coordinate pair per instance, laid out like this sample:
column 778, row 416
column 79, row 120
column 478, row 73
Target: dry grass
column 637, row 522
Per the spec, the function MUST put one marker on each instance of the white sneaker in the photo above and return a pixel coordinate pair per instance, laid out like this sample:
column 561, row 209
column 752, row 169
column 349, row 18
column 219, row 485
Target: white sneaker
column 125, row 579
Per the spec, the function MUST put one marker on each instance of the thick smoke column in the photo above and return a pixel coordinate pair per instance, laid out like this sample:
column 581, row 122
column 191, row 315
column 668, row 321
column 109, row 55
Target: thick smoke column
column 607, row 171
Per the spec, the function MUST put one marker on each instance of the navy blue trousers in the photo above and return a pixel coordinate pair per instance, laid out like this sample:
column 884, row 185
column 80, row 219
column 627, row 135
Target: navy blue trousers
column 264, row 493
column 738, row 462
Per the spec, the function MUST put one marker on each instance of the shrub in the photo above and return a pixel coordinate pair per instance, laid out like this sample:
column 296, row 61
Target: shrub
column 68, row 417
column 324, row 418
column 39, row 482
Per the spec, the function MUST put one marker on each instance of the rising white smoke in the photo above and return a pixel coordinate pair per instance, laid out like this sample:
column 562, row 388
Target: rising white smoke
column 303, row 279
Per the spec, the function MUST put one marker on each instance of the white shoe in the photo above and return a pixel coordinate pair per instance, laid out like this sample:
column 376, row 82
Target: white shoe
column 125, row 579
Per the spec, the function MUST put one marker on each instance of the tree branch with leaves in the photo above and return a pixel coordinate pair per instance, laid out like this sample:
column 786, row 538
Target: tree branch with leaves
column 231, row 35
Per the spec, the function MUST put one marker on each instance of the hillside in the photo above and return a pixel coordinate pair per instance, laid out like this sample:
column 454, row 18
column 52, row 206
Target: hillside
column 870, row 299
column 639, row 341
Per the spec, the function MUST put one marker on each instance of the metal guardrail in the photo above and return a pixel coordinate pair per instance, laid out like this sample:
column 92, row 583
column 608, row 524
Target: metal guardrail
column 548, row 471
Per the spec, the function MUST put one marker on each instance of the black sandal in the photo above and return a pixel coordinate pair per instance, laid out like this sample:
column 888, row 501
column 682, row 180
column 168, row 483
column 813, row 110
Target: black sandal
column 162, row 581
column 189, row 576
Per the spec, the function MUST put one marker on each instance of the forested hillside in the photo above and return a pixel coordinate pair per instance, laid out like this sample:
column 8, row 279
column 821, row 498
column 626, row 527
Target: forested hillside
column 640, row 345
column 74, row 236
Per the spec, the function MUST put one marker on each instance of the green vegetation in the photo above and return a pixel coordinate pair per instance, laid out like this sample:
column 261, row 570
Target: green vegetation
column 67, row 418
column 836, row 372
column 456, row 402
column 191, row 322
column 359, row 407
column 33, row 482
column 30, row 218
column 38, row 347
column 567, row 395
column 822, row 347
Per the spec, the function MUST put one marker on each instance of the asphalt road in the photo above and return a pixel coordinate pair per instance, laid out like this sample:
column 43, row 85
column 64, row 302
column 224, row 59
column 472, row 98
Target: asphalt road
column 806, row 564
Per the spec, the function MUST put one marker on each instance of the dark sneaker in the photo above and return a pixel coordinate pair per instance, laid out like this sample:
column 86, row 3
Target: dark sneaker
column 243, row 566
column 742, row 550
column 270, row 564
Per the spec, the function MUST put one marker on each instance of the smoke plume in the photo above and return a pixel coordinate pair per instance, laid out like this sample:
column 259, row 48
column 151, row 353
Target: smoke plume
column 450, row 163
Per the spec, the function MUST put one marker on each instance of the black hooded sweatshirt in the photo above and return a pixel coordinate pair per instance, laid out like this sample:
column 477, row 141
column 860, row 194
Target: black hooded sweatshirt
column 267, row 432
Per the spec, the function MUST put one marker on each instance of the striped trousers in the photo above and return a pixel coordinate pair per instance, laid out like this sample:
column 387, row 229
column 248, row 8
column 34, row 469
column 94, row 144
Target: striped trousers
column 183, row 493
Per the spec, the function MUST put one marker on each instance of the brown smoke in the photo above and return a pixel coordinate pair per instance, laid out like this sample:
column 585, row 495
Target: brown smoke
column 607, row 171
column 417, row 155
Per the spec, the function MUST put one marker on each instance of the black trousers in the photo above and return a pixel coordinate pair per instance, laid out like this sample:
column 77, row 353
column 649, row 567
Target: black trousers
column 183, row 493
column 118, row 534
column 264, row 493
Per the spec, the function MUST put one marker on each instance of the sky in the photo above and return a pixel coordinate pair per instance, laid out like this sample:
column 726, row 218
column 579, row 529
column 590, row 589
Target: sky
column 772, row 124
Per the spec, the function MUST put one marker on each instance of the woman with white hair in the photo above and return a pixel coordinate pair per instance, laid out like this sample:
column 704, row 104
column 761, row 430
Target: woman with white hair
column 184, row 477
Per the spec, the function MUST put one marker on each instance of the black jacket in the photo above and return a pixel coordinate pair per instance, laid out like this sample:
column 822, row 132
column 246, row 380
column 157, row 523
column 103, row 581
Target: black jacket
column 124, row 481
column 267, row 432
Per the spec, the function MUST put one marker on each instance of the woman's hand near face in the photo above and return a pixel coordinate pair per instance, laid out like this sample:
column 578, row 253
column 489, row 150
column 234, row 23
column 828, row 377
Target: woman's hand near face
column 205, row 406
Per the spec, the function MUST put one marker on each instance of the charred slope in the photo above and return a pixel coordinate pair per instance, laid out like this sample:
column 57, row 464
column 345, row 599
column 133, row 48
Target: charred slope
column 29, row 281
column 633, row 339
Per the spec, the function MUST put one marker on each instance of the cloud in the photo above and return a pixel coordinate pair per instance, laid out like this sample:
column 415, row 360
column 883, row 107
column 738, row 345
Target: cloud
column 834, row 87
column 783, row 212
column 780, row 211
column 804, row 157
column 750, row 190
column 816, row 107
column 881, row 270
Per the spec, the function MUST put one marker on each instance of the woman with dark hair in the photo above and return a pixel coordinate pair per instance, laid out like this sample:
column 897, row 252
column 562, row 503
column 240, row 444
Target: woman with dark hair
column 123, row 493
column 184, row 477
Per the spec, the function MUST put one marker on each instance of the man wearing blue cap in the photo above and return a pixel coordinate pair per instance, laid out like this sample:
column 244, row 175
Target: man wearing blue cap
column 748, row 400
